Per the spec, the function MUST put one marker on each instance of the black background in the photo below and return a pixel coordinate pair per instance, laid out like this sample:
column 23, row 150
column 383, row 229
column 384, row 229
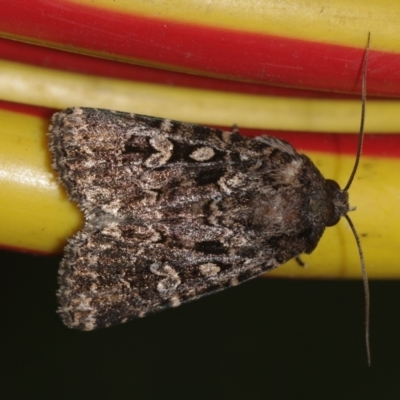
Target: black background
column 268, row 338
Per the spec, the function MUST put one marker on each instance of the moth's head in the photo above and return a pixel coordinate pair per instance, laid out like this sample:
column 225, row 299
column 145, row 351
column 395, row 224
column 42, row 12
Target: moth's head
column 339, row 206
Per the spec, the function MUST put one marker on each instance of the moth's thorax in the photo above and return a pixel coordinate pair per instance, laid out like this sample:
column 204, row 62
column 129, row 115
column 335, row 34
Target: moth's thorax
column 315, row 203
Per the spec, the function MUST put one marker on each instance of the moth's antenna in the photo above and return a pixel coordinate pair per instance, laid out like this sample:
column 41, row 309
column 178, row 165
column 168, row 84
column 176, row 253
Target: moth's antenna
column 366, row 287
column 353, row 172
column 363, row 101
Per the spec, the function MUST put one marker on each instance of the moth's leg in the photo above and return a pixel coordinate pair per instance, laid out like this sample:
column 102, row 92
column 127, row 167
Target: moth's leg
column 300, row 262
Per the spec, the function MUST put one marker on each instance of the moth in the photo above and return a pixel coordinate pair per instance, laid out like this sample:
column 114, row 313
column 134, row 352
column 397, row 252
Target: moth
column 175, row 211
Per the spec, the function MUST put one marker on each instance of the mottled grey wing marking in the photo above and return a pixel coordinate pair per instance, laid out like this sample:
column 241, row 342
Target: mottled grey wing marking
column 174, row 211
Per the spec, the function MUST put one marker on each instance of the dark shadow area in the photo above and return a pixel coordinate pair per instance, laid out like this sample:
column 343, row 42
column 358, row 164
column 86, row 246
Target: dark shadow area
column 265, row 339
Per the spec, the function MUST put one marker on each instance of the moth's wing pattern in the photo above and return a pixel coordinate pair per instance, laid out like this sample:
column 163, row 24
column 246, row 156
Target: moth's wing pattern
column 172, row 211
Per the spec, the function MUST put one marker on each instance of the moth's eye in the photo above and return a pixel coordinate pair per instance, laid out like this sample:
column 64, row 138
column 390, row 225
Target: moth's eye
column 333, row 185
column 334, row 214
column 333, row 219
